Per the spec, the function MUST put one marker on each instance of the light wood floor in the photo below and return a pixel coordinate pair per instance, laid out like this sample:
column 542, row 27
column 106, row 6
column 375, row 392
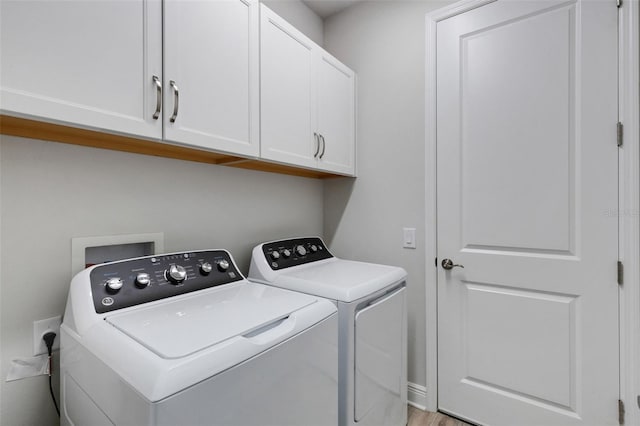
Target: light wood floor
column 425, row 418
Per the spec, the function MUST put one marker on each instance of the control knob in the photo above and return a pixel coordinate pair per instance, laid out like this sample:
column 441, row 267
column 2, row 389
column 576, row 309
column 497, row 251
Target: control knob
column 114, row 285
column 176, row 274
column 314, row 248
column 286, row 253
column 275, row 255
column 206, row 268
column 142, row 280
column 223, row 265
column 301, row 251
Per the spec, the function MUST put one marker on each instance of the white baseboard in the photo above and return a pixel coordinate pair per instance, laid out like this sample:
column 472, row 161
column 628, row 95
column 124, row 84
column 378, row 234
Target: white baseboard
column 417, row 396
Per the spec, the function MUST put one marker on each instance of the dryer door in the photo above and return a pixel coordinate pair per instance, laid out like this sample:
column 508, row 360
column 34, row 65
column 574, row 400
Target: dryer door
column 380, row 366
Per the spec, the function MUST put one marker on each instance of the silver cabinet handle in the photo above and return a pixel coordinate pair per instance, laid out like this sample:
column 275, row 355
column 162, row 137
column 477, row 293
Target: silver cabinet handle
column 176, row 100
column 317, row 139
column 158, row 83
column 448, row 264
column 324, row 146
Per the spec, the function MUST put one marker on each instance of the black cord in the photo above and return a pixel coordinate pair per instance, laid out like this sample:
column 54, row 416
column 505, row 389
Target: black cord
column 48, row 340
column 53, row 397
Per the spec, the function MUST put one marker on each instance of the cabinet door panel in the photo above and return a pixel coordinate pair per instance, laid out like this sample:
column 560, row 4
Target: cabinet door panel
column 336, row 115
column 69, row 62
column 211, row 53
column 287, row 98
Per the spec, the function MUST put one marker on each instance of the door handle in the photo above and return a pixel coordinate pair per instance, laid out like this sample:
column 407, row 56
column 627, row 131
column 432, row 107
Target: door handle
column 156, row 80
column 315, row 136
column 176, row 99
column 324, row 146
column 448, row 264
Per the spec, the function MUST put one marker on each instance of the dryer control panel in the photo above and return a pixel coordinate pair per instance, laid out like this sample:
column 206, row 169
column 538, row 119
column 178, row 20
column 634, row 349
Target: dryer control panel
column 132, row 282
column 294, row 252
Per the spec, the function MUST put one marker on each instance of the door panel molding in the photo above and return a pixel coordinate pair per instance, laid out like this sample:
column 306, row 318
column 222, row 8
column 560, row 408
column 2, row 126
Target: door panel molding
column 492, row 370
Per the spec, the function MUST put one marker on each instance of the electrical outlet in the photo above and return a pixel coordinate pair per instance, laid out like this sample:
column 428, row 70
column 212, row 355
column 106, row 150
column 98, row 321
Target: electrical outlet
column 42, row 327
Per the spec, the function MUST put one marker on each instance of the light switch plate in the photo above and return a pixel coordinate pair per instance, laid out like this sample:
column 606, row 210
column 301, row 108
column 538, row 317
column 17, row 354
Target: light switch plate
column 40, row 328
column 409, row 238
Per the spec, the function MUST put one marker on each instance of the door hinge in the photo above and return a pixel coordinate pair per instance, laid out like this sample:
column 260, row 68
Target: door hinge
column 620, row 273
column 620, row 412
column 619, row 132
column 619, row 3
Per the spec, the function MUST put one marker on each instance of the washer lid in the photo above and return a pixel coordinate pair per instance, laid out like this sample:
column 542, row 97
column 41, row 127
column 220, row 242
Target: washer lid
column 179, row 328
column 338, row 279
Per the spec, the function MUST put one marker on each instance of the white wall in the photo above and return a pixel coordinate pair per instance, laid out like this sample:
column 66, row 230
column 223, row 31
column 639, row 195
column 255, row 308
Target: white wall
column 51, row 192
column 384, row 42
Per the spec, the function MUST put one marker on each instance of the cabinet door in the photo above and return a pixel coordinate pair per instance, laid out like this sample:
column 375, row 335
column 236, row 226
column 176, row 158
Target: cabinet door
column 89, row 63
column 336, row 115
column 287, row 96
column 211, row 60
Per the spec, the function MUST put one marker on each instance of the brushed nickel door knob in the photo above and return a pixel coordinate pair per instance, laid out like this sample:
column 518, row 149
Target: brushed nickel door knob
column 448, row 264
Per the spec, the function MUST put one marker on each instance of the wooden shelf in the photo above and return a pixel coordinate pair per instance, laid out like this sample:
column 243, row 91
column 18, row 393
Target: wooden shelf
column 58, row 133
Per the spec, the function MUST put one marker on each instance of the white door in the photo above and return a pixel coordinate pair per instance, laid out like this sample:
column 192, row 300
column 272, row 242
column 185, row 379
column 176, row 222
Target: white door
column 527, row 171
column 211, row 74
column 336, row 115
column 89, row 63
column 288, row 98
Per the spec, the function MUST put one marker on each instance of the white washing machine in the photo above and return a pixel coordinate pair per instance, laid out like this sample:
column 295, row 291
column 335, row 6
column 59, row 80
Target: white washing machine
column 372, row 317
column 185, row 339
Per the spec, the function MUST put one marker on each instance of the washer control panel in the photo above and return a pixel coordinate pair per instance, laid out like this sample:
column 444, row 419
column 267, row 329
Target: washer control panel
column 132, row 282
column 298, row 251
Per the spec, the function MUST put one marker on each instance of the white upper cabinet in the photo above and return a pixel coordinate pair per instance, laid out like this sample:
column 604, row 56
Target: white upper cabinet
column 287, row 101
column 336, row 115
column 98, row 64
column 307, row 101
column 222, row 75
column 89, row 63
column 211, row 74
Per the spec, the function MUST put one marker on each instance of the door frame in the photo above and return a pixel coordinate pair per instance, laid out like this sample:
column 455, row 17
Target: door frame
column 628, row 204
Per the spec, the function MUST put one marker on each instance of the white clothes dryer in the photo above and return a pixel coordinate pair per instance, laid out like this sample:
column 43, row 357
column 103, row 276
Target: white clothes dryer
column 372, row 317
column 185, row 339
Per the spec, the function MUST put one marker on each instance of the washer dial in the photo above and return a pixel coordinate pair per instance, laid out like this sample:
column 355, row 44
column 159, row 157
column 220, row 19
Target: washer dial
column 114, row 285
column 142, row 280
column 176, row 274
column 206, row 268
column 223, row 265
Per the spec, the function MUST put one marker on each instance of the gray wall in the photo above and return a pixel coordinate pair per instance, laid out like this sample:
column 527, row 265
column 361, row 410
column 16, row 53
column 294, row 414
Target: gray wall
column 51, row 192
column 300, row 16
column 384, row 42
